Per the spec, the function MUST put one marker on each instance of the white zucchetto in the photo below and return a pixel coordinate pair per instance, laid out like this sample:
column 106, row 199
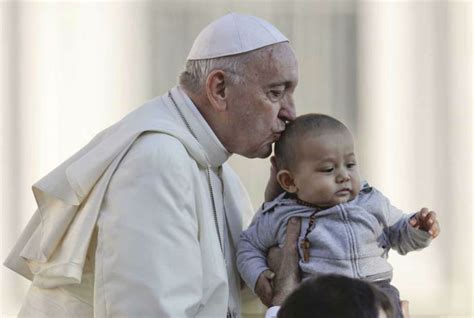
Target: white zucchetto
column 233, row 34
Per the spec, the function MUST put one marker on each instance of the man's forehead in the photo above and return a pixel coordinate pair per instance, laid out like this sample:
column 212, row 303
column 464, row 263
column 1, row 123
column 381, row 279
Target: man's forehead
column 278, row 53
column 277, row 63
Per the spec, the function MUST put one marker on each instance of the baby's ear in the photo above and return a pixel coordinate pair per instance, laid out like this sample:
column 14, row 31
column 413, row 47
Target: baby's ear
column 286, row 181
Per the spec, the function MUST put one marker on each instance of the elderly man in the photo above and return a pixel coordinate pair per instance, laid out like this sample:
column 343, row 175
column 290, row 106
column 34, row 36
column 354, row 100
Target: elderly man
column 143, row 221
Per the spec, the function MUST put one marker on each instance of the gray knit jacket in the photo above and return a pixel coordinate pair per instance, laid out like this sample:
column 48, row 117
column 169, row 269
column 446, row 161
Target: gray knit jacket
column 351, row 239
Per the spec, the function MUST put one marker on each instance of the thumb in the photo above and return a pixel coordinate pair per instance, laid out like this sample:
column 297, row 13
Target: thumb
column 293, row 230
column 268, row 274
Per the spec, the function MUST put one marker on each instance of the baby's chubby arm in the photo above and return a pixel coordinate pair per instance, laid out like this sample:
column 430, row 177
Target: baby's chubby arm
column 410, row 232
column 275, row 284
column 252, row 251
column 284, row 262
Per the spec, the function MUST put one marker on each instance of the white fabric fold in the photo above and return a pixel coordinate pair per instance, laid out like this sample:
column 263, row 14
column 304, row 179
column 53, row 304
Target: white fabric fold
column 52, row 249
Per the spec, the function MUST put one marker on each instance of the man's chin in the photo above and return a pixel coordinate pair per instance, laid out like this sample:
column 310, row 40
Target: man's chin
column 263, row 152
column 265, row 155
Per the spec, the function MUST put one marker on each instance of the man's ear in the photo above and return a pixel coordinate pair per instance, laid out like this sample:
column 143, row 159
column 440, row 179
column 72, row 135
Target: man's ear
column 216, row 90
column 286, row 181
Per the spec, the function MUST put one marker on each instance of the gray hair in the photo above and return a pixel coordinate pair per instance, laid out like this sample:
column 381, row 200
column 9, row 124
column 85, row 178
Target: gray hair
column 195, row 73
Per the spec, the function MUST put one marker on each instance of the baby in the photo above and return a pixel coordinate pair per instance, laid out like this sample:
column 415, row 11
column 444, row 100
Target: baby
column 347, row 226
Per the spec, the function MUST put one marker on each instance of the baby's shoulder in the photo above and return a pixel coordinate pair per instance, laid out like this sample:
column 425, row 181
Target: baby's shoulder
column 281, row 209
column 371, row 199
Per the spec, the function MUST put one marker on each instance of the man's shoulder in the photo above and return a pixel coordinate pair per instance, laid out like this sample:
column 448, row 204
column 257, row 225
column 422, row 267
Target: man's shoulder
column 158, row 155
column 156, row 145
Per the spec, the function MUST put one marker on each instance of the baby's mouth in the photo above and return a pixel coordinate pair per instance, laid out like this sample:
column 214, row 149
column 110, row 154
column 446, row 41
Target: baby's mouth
column 344, row 191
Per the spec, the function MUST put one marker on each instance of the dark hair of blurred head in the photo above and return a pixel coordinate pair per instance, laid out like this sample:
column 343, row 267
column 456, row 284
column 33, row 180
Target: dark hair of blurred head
column 335, row 296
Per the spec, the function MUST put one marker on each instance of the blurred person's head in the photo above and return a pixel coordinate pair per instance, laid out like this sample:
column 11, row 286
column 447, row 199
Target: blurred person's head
column 316, row 161
column 246, row 97
column 335, row 296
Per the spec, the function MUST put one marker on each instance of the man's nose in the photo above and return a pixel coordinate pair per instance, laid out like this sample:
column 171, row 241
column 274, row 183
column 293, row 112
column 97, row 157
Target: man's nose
column 287, row 111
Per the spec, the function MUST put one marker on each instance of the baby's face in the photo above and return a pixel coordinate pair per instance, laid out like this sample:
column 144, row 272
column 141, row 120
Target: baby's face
column 326, row 172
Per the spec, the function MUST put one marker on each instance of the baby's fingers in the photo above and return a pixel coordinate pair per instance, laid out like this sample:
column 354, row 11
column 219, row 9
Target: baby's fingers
column 422, row 215
column 418, row 219
column 434, row 231
column 434, row 228
column 263, row 288
column 414, row 222
column 431, row 217
column 429, row 220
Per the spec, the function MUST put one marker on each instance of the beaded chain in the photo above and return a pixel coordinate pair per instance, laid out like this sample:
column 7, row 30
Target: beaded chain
column 305, row 244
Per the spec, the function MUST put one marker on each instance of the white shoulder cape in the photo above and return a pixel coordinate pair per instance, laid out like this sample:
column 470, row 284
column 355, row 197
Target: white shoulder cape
column 52, row 249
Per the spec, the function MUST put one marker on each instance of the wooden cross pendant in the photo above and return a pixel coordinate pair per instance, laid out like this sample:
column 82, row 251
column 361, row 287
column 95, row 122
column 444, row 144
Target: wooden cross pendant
column 305, row 245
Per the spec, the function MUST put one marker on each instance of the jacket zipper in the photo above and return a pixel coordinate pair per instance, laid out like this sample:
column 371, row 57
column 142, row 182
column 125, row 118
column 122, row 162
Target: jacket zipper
column 352, row 243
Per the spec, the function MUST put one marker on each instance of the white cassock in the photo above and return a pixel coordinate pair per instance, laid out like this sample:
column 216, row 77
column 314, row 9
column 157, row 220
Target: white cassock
column 129, row 226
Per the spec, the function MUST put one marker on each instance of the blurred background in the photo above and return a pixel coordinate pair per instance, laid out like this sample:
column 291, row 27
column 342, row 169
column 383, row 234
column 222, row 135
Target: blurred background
column 398, row 73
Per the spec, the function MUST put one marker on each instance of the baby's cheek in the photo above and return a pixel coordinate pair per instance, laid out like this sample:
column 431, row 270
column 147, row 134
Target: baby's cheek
column 356, row 185
column 326, row 192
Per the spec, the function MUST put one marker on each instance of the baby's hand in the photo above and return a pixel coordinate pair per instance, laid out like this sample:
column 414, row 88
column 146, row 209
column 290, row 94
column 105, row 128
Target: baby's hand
column 263, row 288
column 426, row 220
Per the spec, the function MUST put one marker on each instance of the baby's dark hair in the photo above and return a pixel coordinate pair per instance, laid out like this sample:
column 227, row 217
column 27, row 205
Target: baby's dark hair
column 302, row 126
column 333, row 296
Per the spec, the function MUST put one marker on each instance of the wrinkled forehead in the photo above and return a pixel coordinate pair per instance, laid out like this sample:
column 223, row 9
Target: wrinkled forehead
column 277, row 61
column 279, row 53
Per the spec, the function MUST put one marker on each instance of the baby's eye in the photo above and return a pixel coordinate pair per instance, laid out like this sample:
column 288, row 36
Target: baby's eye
column 351, row 165
column 327, row 170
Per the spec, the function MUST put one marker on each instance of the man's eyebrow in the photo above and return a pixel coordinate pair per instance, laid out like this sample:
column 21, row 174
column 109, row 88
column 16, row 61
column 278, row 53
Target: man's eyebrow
column 284, row 83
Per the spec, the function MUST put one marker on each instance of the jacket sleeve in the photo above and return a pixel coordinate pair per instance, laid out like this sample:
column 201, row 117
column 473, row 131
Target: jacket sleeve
column 253, row 247
column 402, row 236
column 148, row 258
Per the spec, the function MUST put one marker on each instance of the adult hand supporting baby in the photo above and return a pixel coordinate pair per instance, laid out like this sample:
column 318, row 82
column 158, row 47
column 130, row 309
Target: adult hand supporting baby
column 284, row 263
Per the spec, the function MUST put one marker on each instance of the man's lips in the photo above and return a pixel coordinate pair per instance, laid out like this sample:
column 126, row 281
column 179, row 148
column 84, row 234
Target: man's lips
column 277, row 134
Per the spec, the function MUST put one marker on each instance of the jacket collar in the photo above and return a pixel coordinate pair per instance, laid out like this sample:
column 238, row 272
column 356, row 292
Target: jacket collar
column 287, row 199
